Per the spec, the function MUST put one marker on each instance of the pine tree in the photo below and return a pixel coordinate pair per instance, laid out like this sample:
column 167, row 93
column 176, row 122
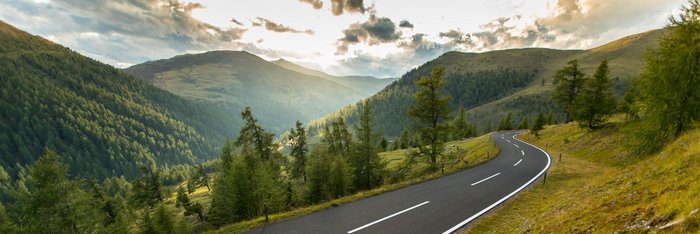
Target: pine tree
column 506, row 123
column 596, row 99
column 253, row 136
column 669, row 87
column 221, row 211
column 489, row 127
column 365, row 161
column 148, row 190
column 200, row 177
column 538, row 125
column 431, row 109
column 297, row 140
column 524, row 123
column 570, row 81
column 163, row 220
column 460, row 127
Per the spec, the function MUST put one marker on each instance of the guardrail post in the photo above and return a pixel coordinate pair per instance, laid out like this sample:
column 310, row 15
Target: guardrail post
column 544, row 181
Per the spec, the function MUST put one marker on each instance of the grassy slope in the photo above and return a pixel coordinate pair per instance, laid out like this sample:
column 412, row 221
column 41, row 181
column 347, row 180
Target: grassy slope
column 599, row 187
column 474, row 151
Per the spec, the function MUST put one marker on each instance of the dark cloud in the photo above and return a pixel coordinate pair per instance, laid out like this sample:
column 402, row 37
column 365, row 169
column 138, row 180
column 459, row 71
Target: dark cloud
column 236, row 22
column 376, row 30
column 317, row 4
column 338, row 7
column 457, row 37
column 275, row 27
column 405, row 24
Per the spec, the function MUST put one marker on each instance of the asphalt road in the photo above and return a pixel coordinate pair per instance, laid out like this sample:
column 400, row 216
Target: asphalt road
column 438, row 206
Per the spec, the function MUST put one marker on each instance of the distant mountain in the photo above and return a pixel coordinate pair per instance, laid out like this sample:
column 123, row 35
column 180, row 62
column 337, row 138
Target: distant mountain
column 101, row 120
column 366, row 84
column 492, row 84
column 236, row 79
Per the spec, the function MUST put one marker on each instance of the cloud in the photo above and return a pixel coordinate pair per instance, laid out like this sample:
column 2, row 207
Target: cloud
column 317, row 4
column 456, row 37
column 275, row 27
column 338, row 7
column 374, row 31
column 236, row 22
column 406, row 24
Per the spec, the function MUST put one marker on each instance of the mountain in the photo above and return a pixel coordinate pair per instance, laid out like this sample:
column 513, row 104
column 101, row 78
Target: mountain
column 366, row 84
column 236, row 79
column 491, row 84
column 102, row 121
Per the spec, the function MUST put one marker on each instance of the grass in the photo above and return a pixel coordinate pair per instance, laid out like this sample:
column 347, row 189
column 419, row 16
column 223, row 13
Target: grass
column 600, row 188
column 474, row 151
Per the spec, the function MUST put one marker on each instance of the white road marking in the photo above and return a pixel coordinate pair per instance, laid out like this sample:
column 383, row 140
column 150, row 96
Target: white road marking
column 502, row 136
column 518, row 162
column 516, row 146
column 459, row 225
column 388, row 217
column 486, row 179
column 522, row 152
column 509, row 141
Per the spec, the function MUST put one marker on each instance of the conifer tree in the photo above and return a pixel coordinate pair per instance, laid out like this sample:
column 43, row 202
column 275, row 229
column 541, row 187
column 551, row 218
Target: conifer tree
column 431, row 109
column 365, row 161
column 460, row 127
column 297, row 140
column 253, row 136
column 538, row 125
column 524, row 123
column 148, row 190
column 570, row 81
column 596, row 99
column 506, row 123
column 669, row 87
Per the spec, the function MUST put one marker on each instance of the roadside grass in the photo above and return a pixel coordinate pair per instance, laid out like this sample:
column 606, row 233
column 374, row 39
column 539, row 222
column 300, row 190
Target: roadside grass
column 474, row 151
column 600, row 188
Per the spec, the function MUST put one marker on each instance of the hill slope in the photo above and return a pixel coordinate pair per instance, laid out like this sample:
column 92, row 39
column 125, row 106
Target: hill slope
column 523, row 89
column 101, row 120
column 236, row 79
column 599, row 187
column 365, row 84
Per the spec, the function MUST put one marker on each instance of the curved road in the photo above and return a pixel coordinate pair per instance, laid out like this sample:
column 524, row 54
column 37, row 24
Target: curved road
column 438, row 206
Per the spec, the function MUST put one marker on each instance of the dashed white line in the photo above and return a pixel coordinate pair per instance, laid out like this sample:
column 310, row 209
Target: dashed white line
column 388, row 217
column 522, row 152
column 486, row 179
column 509, row 141
column 516, row 146
column 518, row 162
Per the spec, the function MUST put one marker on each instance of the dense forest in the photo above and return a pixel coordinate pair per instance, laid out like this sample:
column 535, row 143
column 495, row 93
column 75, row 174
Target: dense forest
column 105, row 121
column 468, row 90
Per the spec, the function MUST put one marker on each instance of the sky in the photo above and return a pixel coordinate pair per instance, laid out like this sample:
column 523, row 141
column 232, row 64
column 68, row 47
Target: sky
column 382, row 38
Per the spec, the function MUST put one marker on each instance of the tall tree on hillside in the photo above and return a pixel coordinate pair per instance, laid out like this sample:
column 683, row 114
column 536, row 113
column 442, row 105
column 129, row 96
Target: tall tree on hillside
column 460, row 127
column 221, row 211
column 669, row 87
column 366, row 164
column 342, row 136
column 431, row 109
column 54, row 203
column 538, row 125
column 596, row 99
column 148, row 190
column 570, row 81
column 254, row 136
column 297, row 141
column 506, row 123
column 524, row 123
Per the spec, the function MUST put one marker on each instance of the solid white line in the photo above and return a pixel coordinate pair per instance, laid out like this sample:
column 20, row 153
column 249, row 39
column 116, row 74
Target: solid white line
column 388, row 217
column 518, row 162
column 486, row 179
column 516, row 146
column 506, row 197
column 522, row 152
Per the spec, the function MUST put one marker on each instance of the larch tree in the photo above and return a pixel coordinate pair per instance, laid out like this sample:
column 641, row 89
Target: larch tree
column 366, row 164
column 596, row 100
column 299, row 145
column 570, row 81
column 669, row 87
column 431, row 109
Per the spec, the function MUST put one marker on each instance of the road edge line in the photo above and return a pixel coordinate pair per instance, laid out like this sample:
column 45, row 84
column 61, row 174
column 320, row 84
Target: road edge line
column 549, row 160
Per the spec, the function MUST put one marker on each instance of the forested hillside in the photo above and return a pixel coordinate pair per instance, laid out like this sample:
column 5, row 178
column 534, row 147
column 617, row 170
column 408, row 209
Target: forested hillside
column 237, row 79
column 492, row 84
column 103, row 120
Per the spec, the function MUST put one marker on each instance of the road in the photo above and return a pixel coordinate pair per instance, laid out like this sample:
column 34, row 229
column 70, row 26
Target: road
column 438, row 206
